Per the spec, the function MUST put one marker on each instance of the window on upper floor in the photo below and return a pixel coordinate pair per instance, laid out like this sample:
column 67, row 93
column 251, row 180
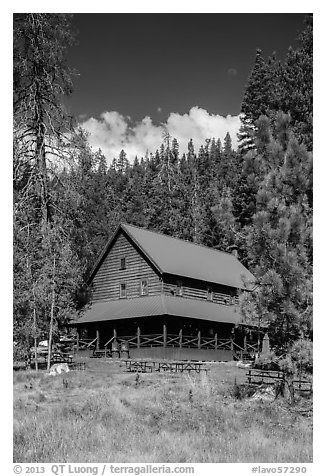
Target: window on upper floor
column 123, row 290
column 143, row 287
column 209, row 294
column 179, row 289
column 123, row 263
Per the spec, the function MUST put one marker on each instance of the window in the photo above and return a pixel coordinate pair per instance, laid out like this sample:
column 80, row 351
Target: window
column 123, row 290
column 209, row 294
column 144, row 287
column 123, row 263
column 179, row 288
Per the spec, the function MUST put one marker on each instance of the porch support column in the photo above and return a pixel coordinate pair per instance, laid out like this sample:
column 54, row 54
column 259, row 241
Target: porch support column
column 77, row 340
column 164, row 335
column 180, row 338
column 245, row 342
column 97, row 339
column 199, row 343
column 232, row 345
column 215, row 341
column 138, row 337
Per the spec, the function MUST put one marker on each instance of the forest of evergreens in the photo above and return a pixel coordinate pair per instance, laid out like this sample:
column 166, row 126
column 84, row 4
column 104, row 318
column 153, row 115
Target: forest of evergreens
column 256, row 194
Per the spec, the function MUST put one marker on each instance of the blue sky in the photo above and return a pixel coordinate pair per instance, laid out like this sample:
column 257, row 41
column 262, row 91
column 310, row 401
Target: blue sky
column 140, row 73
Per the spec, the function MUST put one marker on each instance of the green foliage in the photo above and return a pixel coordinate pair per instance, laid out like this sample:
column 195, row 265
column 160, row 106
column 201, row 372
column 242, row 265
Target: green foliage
column 287, row 365
column 268, row 361
column 274, row 86
column 46, row 271
column 279, row 238
column 301, row 353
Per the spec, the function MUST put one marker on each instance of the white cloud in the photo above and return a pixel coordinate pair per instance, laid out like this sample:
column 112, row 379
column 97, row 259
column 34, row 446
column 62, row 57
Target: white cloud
column 113, row 131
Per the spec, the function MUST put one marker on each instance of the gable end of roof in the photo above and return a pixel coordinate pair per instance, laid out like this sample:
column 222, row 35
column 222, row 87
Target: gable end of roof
column 120, row 229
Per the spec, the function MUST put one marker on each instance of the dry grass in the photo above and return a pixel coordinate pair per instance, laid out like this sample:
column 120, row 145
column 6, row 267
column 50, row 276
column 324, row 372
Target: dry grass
column 105, row 415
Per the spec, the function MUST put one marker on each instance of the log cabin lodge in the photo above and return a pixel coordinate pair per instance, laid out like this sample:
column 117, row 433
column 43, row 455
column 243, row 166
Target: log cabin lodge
column 163, row 297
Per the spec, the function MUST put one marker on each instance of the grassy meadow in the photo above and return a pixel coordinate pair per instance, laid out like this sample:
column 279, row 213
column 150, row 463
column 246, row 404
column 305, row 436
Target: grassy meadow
column 104, row 414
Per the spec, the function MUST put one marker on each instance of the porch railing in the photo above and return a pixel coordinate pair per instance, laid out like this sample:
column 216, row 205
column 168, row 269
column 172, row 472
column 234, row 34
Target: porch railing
column 172, row 340
column 176, row 340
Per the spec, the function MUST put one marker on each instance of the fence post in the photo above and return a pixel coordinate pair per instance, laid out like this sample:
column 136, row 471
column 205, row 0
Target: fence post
column 164, row 335
column 199, row 343
column 180, row 338
column 138, row 337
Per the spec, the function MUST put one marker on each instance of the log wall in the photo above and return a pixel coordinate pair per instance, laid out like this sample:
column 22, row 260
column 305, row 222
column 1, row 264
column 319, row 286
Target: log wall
column 106, row 283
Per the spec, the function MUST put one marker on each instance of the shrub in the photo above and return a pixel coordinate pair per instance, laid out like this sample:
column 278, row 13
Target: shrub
column 287, row 364
column 301, row 353
column 19, row 352
column 267, row 362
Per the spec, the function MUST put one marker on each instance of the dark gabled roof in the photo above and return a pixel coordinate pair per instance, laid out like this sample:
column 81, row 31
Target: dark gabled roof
column 158, row 306
column 185, row 259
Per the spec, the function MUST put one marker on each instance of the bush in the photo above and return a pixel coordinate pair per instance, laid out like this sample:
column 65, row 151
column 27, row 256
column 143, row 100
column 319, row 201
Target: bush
column 19, row 352
column 301, row 353
column 287, row 365
column 267, row 362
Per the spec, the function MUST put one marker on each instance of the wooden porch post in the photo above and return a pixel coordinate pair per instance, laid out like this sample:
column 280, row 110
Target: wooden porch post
column 164, row 335
column 97, row 339
column 232, row 346
column 138, row 337
column 77, row 341
column 114, row 334
column 215, row 341
column 180, row 338
column 245, row 343
column 199, row 343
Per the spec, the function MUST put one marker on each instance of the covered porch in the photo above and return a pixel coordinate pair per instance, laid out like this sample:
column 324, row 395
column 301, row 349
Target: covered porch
column 166, row 327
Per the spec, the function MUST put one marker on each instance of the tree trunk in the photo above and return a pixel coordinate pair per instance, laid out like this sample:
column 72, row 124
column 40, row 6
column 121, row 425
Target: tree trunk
column 51, row 319
column 35, row 337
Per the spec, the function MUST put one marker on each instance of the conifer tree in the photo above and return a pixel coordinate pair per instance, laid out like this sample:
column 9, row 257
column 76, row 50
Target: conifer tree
column 279, row 239
column 41, row 79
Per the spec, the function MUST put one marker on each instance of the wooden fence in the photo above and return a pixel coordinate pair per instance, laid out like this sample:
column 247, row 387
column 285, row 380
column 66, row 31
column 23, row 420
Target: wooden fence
column 174, row 340
column 180, row 340
column 259, row 377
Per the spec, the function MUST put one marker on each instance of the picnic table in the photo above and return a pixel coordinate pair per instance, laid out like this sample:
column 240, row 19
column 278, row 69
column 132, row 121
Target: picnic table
column 145, row 366
column 56, row 358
